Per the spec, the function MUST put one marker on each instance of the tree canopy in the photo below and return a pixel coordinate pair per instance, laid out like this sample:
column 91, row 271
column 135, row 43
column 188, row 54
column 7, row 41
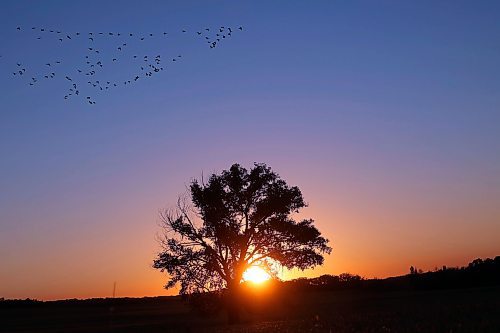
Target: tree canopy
column 237, row 219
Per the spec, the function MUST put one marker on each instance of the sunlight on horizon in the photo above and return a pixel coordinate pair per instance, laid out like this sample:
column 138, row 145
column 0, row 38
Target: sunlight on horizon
column 256, row 274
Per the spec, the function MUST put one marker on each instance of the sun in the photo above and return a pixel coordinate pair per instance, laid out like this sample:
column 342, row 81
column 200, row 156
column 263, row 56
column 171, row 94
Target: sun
column 256, row 274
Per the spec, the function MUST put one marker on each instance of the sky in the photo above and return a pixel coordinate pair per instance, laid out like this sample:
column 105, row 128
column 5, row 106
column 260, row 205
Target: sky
column 386, row 115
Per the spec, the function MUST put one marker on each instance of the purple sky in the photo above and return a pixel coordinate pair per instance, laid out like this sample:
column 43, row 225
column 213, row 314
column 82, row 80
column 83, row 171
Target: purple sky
column 385, row 114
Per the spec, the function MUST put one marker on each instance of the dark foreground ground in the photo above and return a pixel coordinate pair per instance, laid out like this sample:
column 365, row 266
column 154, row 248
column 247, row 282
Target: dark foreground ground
column 462, row 310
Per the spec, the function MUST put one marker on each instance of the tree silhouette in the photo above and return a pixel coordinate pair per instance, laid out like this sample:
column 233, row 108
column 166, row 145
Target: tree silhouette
column 237, row 219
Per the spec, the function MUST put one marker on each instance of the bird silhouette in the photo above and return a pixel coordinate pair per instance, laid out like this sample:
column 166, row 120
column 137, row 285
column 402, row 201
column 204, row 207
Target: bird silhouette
column 93, row 67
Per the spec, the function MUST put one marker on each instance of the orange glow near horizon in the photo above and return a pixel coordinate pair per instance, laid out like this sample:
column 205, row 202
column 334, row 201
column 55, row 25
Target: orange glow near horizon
column 256, row 275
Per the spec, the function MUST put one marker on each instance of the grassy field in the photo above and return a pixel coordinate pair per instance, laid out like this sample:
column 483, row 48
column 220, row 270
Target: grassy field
column 464, row 310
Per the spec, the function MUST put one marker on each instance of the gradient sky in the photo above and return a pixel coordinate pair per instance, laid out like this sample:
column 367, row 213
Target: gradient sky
column 385, row 114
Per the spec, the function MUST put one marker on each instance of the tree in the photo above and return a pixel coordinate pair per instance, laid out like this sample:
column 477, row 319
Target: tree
column 235, row 220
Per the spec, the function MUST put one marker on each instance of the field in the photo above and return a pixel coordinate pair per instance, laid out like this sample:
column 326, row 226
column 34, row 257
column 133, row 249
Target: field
column 463, row 310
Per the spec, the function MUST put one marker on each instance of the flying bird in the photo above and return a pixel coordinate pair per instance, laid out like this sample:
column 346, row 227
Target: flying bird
column 94, row 65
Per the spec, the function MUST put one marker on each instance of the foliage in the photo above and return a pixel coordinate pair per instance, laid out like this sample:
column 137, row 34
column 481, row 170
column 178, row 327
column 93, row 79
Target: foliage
column 478, row 273
column 237, row 219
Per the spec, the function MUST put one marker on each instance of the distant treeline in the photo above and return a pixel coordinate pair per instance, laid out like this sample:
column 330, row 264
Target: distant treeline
column 91, row 302
column 479, row 273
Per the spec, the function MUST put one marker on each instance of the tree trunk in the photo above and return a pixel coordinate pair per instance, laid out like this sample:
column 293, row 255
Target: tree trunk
column 234, row 305
column 233, row 312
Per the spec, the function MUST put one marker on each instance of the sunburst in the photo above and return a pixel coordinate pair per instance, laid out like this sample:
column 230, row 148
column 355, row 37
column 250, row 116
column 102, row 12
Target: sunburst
column 256, row 274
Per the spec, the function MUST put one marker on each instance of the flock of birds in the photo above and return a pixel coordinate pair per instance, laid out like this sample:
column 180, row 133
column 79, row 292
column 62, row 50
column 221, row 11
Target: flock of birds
column 88, row 74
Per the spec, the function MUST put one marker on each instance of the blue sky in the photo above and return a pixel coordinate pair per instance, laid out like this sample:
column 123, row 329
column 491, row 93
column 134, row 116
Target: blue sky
column 386, row 115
